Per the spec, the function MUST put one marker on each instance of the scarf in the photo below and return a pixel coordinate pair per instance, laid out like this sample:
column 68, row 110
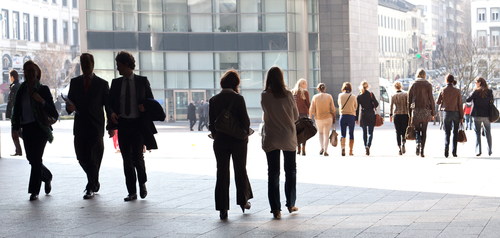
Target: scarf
column 14, row 117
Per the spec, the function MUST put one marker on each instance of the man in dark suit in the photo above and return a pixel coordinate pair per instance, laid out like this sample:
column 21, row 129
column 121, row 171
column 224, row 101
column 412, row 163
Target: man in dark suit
column 88, row 94
column 14, row 86
column 127, row 96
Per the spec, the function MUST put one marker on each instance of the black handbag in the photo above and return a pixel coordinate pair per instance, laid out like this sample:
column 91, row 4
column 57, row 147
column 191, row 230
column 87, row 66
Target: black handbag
column 461, row 136
column 305, row 129
column 43, row 116
column 410, row 132
column 493, row 111
column 226, row 123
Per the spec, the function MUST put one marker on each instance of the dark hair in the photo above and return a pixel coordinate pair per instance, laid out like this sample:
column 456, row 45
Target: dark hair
column 483, row 87
column 14, row 74
column 230, row 79
column 31, row 62
column 126, row 58
column 450, row 79
column 275, row 81
column 346, row 87
column 90, row 56
column 321, row 87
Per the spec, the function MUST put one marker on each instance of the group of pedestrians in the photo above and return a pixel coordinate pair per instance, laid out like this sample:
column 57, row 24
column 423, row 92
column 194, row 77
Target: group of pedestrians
column 202, row 115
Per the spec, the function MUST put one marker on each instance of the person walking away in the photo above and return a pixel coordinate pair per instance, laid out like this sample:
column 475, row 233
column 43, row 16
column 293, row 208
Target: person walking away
column 348, row 105
column 302, row 100
column 206, row 110
column 421, row 107
column 480, row 113
column 88, row 95
column 468, row 119
column 201, row 116
column 365, row 114
column 399, row 109
column 450, row 101
column 126, row 98
column 191, row 116
column 14, row 86
column 226, row 146
column 323, row 109
column 279, row 134
column 31, row 98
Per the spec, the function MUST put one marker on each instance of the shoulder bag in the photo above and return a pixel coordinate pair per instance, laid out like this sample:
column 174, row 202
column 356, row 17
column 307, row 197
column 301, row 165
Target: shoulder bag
column 379, row 121
column 43, row 116
column 493, row 110
column 226, row 123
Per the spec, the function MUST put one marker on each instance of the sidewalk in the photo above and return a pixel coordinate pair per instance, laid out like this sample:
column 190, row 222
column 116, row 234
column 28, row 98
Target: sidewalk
column 384, row 195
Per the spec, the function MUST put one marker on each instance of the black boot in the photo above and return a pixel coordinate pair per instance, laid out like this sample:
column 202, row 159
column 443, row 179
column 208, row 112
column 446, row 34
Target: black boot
column 417, row 152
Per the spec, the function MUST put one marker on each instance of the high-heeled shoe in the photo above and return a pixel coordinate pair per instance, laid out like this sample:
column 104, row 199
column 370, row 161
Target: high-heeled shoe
column 277, row 214
column 247, row 206
column 223, row 214
column 292, row 209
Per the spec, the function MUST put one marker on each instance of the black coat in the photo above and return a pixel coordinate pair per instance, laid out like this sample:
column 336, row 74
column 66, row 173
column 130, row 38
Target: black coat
column 220, row 102
column 49, row 106
column 89, row 115
column 365, row 113
column 10, row 102
column 191, row 112
column 143, row 91
column 480, row 106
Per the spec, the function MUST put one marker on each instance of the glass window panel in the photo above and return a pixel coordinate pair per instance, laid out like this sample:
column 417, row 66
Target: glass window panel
column 274, row 22
column 176, row 23
column 250, row 6
column 226, row 23
column 254, row 112
column 177, row 80
column 291, row 22
column 252, row 61
column 151, row 22
column 312, row 23
column 156, row 79
column 251, row 79
column 225, row 61
column 201, row 22
column 202, row 79
column 200, row 6
column 313, row 60
column 177, row 61
column 160, row 95
column 252, row 97
column 106, row 75
column 101, row 21
column 151, row 60
column 125, row 5
column 279, row 59
column 150, row 5
column 125, row 21
column 225, row 6
column 103, row 59
column 249, row 22
column 201, row 61
column 292, row 60
column 312, row 6
column 274, row 5
column 99, row 5
column 177, row 6
column 218, row 75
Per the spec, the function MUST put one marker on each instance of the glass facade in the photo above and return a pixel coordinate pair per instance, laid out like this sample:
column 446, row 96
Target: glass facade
column 184, row 46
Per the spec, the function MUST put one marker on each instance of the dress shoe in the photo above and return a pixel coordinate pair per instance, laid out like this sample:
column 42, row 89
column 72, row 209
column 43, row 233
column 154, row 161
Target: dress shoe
column 246, row 206
column 48, row 187
column 277, row 214
column 33, row 197
column 143, row 191
column 223, row 214
column 130, row 197
column 292, row 209
column 16, row 154
column 89, row 194
column 321, row 151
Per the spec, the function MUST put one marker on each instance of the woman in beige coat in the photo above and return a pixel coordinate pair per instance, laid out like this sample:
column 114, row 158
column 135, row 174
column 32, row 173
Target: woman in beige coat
column 323, row 109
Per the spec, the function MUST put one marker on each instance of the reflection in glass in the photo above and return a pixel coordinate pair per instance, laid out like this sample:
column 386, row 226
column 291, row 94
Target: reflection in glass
column 100, row 21
column 250, row 6
column 279, row 59
column 176, row 23
column 125, row 5
column 312, row 23
column 226, row 23
column 225, row 61
column 125, row 21
column 312, row 6
column 200, row 6
column 202, row 79
column 151, row 22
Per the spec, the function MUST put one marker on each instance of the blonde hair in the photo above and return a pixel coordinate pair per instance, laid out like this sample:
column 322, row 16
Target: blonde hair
column 421, row 74
column 299, row 89
column 363, row 86
column 397, row 85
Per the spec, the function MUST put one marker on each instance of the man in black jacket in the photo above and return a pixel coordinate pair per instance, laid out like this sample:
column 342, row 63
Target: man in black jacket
column 14, row 86
column 88, row 94
column 127, row 97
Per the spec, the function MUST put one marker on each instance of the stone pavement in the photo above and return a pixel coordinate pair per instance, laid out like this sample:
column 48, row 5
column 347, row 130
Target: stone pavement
column 383, row 195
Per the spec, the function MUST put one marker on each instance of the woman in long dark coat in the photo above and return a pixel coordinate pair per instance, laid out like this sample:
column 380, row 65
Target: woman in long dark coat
column 365, row 114
column 191, row 116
